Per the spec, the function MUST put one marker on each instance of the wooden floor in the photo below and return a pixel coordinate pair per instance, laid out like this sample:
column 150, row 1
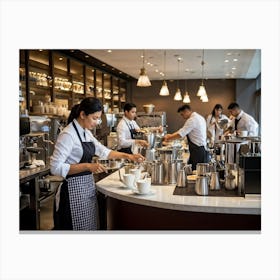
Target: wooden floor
column 46, row 214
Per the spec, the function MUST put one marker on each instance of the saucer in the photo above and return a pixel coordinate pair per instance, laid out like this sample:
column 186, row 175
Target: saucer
column 151, row 192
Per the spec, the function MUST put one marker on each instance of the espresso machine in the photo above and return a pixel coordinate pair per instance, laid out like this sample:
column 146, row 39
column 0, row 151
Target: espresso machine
column 249, row 180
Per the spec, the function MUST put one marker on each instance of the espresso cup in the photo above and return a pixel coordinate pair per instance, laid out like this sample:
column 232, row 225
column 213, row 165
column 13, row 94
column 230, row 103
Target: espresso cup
column 143, row 186
column 128, row 180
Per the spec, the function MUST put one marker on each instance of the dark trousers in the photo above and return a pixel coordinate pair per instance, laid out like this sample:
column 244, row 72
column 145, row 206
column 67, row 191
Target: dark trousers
column 198, row 154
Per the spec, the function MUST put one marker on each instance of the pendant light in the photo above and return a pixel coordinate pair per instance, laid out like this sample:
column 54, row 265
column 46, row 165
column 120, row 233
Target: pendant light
column 164, row 91
column 186, row 96
column 202, row 91
column 143, row 80
column 178, row 95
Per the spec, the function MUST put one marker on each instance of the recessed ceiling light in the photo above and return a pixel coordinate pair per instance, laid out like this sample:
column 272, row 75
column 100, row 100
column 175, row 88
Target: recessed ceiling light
column 109, row 51
column 235, row 59
column 61, row 58
column 233, row 68
column 40, row 50
column 226, row 60
column 229, row 53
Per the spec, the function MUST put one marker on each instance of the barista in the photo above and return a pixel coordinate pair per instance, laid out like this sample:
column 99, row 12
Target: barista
column 214, row 131
column 195, row 130
column 242, row 121
column 127, row 130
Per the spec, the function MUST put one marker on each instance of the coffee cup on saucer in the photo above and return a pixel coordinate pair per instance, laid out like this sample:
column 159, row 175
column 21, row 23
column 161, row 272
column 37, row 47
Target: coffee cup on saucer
column 143, row 186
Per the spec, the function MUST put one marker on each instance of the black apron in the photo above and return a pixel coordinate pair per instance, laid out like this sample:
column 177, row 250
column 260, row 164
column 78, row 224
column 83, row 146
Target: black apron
column 198, row 154
column 133, row 133
column 78, row 203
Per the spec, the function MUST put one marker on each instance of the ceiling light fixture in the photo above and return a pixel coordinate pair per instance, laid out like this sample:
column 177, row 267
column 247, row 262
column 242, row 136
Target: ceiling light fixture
column 164, row 91
column 202, row 91
column 186, row 96
column 143, row 80
column 178, row 95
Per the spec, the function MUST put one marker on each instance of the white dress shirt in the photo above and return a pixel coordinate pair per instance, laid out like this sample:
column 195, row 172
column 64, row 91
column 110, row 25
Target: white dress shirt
column 68, row 149
column 123, row 132
column 195, row 128
column 246, row 122
column 213, row 128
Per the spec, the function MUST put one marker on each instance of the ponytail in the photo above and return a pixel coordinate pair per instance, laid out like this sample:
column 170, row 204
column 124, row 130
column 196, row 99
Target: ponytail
column 89, row 105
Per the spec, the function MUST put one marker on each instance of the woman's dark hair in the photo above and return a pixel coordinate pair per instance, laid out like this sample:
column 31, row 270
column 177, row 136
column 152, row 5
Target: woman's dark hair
column 128, row 106
column 89, row 105
column 217, row 107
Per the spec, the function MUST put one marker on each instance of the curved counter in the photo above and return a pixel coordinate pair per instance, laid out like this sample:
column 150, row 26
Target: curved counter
column 161, row 204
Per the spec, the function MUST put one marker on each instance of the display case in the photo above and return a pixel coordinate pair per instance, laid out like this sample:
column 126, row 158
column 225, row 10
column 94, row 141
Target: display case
column 90, row 84
column 116, row 95
column 39, row 80
column 62, row 80
column 51, row 79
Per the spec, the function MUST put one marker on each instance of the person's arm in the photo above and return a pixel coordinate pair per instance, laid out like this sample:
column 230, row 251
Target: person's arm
column 173, row 136
column 132, row 157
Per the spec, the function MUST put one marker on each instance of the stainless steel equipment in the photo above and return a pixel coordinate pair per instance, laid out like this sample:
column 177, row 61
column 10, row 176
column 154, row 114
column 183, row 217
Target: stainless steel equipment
column 231, row 176
column 158, row 174
column 154, row 119
column 202, row 169
column 201, row 185
column 214, row 181
column 181, row 179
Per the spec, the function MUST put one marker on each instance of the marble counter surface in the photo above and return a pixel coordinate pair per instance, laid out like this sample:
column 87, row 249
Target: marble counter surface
column 162, row 197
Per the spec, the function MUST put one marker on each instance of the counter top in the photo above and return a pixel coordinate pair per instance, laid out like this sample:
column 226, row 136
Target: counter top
column 29, row 174
column 162, row 197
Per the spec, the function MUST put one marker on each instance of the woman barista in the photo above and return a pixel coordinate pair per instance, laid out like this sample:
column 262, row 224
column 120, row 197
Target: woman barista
column 127, row 130
column 76, row 202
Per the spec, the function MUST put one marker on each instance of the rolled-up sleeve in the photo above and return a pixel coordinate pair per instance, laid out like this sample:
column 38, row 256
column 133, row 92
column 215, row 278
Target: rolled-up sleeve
column 186, row 129
column 63, row 148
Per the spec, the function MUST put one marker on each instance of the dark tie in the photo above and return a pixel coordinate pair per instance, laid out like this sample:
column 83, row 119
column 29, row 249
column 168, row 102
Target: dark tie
column 85, row 135
column 236, row 122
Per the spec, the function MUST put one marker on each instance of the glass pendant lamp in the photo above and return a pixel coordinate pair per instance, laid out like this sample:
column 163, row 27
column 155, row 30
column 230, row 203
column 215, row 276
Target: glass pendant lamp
column 164, row 91
column 202, row 91
column 143, row 80
column 186, row 96
column 178, row 95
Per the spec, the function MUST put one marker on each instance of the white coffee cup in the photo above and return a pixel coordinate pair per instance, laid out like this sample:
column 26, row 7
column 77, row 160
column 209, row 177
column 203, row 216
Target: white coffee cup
column 136, row 172
column 143, row 186
column 129, row 180
column 243, row 133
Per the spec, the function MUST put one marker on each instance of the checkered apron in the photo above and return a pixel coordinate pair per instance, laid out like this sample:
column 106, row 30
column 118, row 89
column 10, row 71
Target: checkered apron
column 78, row 204
column 83, row 202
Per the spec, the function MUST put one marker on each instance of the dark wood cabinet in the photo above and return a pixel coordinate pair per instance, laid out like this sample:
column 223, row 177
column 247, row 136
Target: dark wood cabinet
column 53, row 77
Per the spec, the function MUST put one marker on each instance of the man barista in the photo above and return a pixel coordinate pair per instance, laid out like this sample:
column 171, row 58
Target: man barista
column 242, row 121
column 195, row 130
column 127, row 130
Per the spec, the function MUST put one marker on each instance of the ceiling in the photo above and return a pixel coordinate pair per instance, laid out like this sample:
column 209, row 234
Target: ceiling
column 218, row 63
